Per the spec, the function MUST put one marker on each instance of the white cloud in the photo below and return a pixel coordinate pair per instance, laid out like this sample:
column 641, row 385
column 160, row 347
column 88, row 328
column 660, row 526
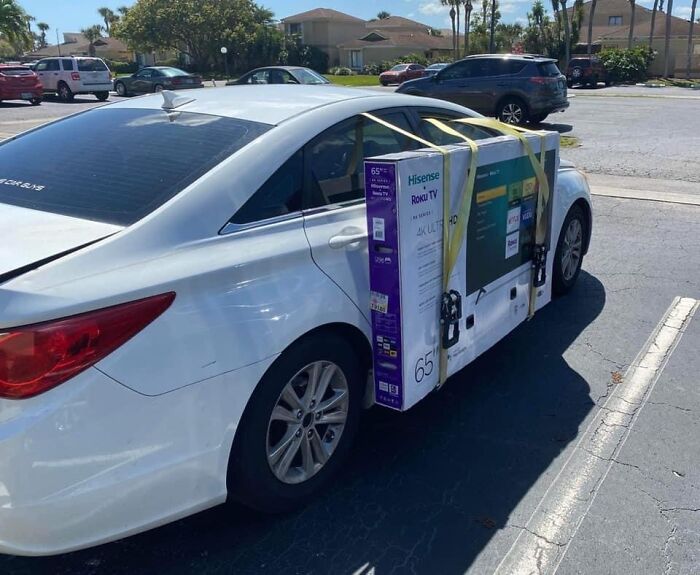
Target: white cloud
column 521, row 20
column 433, row 7
column 507, row 8
column 683, row 12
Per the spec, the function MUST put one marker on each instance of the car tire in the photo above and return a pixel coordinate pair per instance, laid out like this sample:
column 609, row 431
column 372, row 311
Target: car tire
column 120, row 89
column 35, row 101
column 157, row 88
column 271, row 479
column 512, row 111
column 65, row 94
column 102, row 96
column 608, row 83
column 569, row 84
column 569, row 254
column 538, row 118
column 594, row 82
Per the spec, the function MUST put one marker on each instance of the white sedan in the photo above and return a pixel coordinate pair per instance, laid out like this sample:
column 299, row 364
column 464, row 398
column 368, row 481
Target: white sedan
column 184, row 303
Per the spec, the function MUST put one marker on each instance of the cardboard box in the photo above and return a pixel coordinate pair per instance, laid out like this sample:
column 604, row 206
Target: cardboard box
column 493, row 271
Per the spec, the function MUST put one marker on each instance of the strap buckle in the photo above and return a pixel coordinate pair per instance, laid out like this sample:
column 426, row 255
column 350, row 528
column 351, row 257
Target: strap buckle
column 539, row 265
column 450, row 314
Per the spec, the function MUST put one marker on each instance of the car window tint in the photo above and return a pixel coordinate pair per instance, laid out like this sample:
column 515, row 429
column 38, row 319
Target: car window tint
column 548, row 69
column 144, row 74
column 279, row 195
column 437, row 136
column 92, row 65
column 52, row 65
column 67, row 64
column 41, row 66
column 335, row 159
column 15, row 71
column 124, row 163
column 171, row 72
column 456, row 71
column 259, row 77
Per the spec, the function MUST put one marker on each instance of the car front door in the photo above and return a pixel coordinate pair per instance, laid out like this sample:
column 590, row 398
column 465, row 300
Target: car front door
column 457, row 84
column 335, row 217
column 49, row 73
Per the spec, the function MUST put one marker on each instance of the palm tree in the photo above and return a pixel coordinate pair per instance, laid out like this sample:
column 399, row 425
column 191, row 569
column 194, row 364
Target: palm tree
column 458, row 10
column 383, row 15
column 92, row 34
column 451, row 4
column 108, row 16
column 653, row 21
column 467, row 18
column 123, row 10
column 14, row 25
column 590, row 24
column 689, row 60
column 567, row 32
column 43, row 27
column 667, row 40
column 630, row 38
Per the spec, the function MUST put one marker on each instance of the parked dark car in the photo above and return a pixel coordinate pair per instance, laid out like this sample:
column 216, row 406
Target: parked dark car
column 281, row 75
column 435, row 68
column 20, row 83
column 156, row 79
column 586, row 70
column 512, row 87
column 401, row 73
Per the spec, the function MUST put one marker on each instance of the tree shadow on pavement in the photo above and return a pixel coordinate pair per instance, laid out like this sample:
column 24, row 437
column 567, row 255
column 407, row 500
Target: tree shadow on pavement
column 424, row 491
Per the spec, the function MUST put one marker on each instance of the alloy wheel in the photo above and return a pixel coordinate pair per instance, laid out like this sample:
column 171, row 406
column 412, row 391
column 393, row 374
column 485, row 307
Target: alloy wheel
column 307, row 422
column 512, row 113
column 571, row 249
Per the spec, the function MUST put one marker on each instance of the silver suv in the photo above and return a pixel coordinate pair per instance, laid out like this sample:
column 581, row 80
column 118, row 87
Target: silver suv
column 71, row 75
column 516, row 88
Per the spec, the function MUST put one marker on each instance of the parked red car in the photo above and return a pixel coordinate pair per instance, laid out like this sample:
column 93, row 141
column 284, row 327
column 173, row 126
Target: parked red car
column 400, row 73
column 20, row 83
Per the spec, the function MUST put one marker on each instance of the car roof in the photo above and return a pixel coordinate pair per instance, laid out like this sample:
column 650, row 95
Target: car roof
column 526, row 57
column 69, row 56
column 269, row 104
column 280, row 68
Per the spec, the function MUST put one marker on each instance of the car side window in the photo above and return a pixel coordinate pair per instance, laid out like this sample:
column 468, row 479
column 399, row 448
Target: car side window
column 258, row 78
column 457, row 71
column 156, row 74
column 144, row 74
column 67, row 64
column 335, row 159
column 435, row 135
column 41, row 66
column 52, row 65
column 280, row 195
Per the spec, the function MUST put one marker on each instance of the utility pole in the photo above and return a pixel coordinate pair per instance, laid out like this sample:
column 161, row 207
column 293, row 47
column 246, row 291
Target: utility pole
column 58, row 43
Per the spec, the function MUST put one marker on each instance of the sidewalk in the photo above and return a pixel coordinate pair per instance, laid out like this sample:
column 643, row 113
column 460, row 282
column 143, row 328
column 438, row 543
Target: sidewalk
column 670, row 92
column 670, row 191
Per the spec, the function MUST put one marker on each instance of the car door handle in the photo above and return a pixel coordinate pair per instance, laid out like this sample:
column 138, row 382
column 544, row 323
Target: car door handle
column 346, row 237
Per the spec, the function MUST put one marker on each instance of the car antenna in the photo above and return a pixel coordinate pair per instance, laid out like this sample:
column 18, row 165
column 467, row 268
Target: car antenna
column 171, row 100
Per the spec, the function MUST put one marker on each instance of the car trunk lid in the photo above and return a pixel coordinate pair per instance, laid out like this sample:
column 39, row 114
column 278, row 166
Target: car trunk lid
column 32, row 238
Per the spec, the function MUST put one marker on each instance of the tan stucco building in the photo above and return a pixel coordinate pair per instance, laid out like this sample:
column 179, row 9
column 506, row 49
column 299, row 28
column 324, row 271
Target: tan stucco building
column 611, row 26
column 353, row 42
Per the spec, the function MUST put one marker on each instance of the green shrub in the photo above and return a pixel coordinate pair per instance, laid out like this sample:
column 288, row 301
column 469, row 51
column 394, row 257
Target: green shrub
column 118, row 67
column 341, row 71
column 627, row 66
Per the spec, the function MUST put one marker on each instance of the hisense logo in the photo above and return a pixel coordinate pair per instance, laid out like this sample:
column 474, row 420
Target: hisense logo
column 416, row 179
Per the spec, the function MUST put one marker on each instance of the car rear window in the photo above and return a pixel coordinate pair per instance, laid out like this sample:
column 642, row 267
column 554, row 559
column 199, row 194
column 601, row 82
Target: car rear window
column 548, row 69
column 171, row 72
column 16, row 71
column 92, row 65
column 116, row 165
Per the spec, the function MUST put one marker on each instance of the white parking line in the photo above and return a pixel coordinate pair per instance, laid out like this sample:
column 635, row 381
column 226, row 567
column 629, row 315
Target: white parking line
column 544, row 540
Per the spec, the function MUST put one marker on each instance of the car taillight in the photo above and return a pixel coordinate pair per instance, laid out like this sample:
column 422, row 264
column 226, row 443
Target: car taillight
column 38, row 357
column 176, row 81
column 75, row 76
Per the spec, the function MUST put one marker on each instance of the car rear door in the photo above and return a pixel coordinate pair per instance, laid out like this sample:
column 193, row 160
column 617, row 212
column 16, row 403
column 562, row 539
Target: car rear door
column 457, row 84
column 334, row 197
column 142, row 82
column 49, row 73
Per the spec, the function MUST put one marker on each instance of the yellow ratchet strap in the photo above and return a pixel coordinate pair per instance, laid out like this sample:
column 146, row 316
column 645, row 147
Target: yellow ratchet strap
column 543, row 192
column 450, row 246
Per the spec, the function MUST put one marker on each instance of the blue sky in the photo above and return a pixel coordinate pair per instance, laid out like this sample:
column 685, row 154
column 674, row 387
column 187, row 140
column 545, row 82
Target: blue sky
column 70, row 16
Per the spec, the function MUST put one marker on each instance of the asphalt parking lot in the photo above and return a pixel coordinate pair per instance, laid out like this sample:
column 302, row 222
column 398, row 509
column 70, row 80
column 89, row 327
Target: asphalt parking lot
column 553, row 452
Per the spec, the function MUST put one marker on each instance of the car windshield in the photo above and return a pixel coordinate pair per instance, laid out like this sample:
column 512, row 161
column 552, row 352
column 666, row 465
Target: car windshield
column 116, row 165
column 399, row 67
column 548, row 69
column 309, row 77
column 91, row 65
column 174, row 72
column 16, row 71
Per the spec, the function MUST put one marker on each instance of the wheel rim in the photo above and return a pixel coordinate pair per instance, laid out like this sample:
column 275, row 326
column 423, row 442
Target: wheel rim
column 571, row 249
column 307, row 422
column 63, row 92
column 512, row 113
